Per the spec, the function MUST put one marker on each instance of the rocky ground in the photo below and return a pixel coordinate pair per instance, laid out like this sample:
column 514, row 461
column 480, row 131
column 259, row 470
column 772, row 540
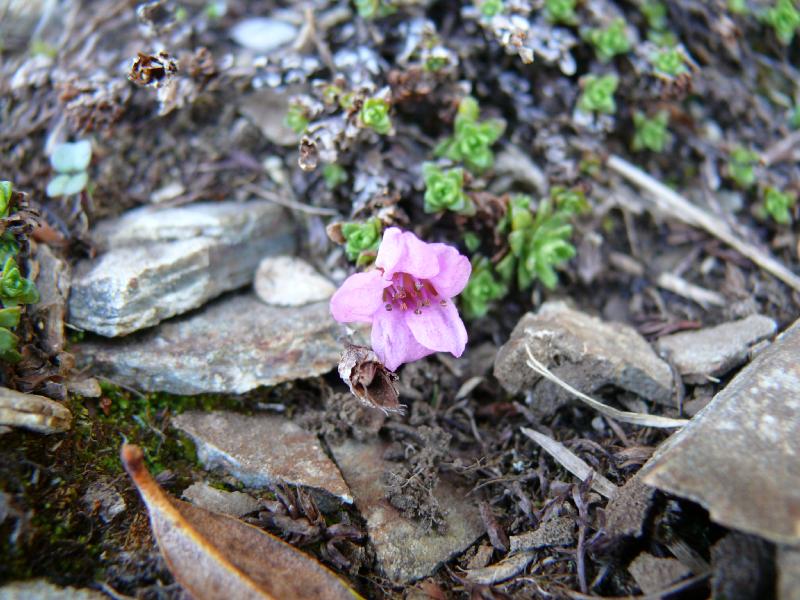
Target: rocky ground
column 625, row 420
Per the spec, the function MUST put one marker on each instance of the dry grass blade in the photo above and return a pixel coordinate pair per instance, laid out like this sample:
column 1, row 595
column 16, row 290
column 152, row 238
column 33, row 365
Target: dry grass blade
column 667, row 592
column 678, row 207
column 572, row 463
column 620, row 415
column 214, row 556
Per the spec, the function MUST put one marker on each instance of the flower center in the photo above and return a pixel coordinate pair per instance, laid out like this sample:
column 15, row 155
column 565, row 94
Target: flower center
column 410, row 293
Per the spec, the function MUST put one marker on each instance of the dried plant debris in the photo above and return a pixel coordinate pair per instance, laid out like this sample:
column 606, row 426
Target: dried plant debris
column 369, row 381
column 216, row 556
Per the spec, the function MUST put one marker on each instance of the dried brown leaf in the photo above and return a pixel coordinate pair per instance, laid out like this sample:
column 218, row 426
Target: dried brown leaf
column 215, row 556
column 371, row 382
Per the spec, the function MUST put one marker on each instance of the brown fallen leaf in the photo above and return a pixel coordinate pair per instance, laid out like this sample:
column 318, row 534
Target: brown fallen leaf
column 214, row 556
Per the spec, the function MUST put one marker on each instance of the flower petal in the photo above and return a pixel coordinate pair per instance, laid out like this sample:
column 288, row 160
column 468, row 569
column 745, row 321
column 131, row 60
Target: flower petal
column 393, row 342
column 454, row 271
column 360, row 296
column 403, row 252
column 438, row 328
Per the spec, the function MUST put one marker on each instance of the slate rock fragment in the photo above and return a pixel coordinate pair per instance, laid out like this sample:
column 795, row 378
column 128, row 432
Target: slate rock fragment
column 584, row 351
column 231, row 346
column 405, row 550
column 262, row 450
column 157, row 263
column 738, row 457
column 705, row 353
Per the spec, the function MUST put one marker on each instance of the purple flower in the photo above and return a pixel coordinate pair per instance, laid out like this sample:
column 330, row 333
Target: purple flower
column 408, row 299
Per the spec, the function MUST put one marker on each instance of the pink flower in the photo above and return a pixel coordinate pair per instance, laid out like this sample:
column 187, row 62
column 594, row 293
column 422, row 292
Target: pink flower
column 408, row 299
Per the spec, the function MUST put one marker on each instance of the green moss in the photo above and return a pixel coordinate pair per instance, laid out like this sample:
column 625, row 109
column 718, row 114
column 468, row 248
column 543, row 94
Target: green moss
column 47, row 478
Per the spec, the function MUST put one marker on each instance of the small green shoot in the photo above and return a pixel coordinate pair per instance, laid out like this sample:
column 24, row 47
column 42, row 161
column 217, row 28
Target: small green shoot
column 779, row 205
column 444, row 190
column 362, row 240
column 70, row 161
column 561, row 11
column 651, row 134
column 609, row 42
column 490, row 8
column 375, row 115
column 472, row 140
column 669, row 62
column 598, row 94
column 374, row 9
column 482, row 289
column 784, row 18
column 334, row 175
column 741, row 165
column 540, row 242
column 296, row 118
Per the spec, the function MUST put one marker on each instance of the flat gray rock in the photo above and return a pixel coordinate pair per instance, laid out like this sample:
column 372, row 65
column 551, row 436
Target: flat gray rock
column 707, row 353
column 261, row 450
column 405, row 550
column 231, row 346
column 584, row 351
column 235, row 504
column 743, row 567
column 157, row 263
column 740, row 456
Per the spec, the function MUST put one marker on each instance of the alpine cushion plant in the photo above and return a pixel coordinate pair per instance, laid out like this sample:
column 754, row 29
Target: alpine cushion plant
column 408, row 299
column 444, row 190
column 472, row 141
column 482, row 289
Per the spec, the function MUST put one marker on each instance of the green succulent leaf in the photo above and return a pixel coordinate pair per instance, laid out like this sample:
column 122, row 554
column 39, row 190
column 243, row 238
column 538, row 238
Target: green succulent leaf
column 9, row 317
column 296, row 118
column 444, row 190
column 374, row 9
column 375, row 115
column 561, row 11
column 9, row 248
column 8, row 346
column 490, row 8
column 669, row 62
column 361, row 237
column 741, row 166
column 14, row 288
column 334, row 175
column 6, row 189
column 482, row 289
column 598, row 94
column 651, row 134
column 71, row 157
column 472, row 140
column 784, row 18
column 779, row 205
column 609, row 42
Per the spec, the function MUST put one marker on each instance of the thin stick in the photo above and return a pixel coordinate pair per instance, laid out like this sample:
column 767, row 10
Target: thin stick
column 680, row 208
column 572, row 463
column 289, row 203
column 620, row 415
